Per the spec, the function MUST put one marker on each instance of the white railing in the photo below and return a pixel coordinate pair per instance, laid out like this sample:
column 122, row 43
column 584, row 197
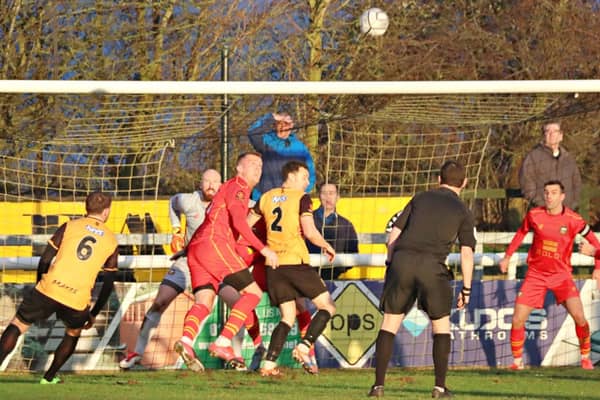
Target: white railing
column 482, row 259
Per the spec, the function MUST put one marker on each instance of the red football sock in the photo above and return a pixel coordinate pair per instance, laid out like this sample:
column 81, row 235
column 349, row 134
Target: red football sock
column 583, row 334
column 241, row 311
column 253, row 328
column 303, row 322
column 193, row 319
column 517, row 339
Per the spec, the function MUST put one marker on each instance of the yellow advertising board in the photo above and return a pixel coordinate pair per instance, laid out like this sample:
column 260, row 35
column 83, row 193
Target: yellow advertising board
column 352, row 331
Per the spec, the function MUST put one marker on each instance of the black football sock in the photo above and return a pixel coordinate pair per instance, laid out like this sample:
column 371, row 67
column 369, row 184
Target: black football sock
column 278, row 338
column 61, row 355
column 384, row 345
column 8, row 341
column 441, row 352
column 316, row 327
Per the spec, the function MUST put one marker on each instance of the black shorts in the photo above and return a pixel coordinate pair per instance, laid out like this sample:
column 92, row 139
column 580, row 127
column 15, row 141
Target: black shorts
column 417, row 276
column 38, row 307
column 239, row 280
column 290, row 282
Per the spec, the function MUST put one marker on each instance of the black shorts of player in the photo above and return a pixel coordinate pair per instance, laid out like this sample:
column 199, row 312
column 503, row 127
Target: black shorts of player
column 239, row 280
column 417, row 276
column 38, row 307
column 289, row 282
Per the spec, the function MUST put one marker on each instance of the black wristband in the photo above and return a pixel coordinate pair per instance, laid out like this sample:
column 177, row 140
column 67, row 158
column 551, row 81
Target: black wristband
column 466, row 291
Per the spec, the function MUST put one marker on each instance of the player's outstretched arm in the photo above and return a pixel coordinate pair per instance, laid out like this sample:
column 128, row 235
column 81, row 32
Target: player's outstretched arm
column 257, row 131
column 239, row 219
column 312, row 234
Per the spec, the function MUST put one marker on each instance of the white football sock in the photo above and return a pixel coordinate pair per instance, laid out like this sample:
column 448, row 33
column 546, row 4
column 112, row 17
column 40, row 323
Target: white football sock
column 151, row 321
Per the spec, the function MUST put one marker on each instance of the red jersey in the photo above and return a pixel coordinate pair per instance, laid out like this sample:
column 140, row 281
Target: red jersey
column 553, row 237
column 225, row 218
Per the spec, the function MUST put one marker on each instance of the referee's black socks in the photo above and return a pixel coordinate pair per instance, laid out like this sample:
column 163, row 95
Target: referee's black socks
column 441, row 352
column 384, row 345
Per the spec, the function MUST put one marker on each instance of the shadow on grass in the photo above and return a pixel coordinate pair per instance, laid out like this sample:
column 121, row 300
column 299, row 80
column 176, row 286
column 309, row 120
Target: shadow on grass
column 492, row 394
column 557, row 373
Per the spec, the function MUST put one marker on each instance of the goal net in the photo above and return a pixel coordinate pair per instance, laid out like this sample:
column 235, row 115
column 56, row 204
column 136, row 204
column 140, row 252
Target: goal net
column 59, row 148
column 378, row 149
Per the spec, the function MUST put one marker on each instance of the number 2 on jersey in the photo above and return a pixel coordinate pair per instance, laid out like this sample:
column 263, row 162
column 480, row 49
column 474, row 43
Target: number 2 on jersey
column 278, row 213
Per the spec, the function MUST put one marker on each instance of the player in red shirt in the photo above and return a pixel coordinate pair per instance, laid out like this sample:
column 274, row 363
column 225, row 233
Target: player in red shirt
column 212, row 259
column 554, row 229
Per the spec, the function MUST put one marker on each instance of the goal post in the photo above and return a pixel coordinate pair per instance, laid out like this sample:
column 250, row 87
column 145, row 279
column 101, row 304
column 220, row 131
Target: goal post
column 379, row 142
column 300, row 87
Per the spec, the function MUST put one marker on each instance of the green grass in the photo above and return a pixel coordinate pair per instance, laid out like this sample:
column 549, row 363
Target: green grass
column 331, row 384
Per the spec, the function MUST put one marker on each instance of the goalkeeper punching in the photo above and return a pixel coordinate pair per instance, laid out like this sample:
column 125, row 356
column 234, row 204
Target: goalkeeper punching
column 193, row 206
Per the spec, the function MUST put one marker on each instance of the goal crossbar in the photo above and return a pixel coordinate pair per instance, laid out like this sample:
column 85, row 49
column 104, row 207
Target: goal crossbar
column 300, row 87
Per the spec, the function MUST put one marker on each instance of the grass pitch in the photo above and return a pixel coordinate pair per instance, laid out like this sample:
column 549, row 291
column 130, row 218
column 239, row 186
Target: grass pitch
column 330, row 384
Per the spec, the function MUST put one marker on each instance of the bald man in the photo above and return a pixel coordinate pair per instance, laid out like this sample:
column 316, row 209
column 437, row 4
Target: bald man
column 193, row 206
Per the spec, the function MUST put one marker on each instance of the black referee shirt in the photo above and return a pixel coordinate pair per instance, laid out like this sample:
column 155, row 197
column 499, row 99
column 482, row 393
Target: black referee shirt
column 432, row 221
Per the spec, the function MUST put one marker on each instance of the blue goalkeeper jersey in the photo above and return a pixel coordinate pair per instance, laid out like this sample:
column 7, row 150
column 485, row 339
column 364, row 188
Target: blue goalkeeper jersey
column 276, row 152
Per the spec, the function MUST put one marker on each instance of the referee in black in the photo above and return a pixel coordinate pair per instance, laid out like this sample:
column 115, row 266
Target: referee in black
column 418, row 245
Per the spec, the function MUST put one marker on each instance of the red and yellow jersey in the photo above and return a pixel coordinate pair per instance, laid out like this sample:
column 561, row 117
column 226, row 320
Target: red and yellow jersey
column 553, row 237
column 281, row 209
column 225, row 219
column 84, row 247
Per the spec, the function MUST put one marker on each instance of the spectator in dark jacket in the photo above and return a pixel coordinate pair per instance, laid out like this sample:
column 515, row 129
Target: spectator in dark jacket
column 337, row 230
column 548, row 161
column 272, row 136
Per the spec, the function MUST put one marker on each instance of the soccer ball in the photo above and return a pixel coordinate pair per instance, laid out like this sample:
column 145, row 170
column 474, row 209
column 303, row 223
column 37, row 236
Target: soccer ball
column 374, row 22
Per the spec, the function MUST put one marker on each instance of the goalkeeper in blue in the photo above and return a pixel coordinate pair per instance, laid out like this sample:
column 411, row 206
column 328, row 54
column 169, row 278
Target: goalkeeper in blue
column 272, row 135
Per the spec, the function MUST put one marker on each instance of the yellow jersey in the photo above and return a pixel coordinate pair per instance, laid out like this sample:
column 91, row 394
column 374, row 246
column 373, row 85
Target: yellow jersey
column 282, row 208
column 84, row 247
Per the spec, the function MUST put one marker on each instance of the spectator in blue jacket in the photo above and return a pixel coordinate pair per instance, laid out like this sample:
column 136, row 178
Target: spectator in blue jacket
column 272, row 136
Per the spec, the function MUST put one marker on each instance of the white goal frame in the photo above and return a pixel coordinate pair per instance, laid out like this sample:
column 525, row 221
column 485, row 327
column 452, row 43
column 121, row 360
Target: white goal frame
column 316, row 88
column 300, row 87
